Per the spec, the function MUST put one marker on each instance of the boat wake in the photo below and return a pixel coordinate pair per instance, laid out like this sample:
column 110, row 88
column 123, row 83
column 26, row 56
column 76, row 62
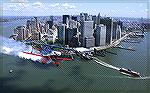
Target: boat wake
column 105, row 64
column 121, row 77
column 118, row 69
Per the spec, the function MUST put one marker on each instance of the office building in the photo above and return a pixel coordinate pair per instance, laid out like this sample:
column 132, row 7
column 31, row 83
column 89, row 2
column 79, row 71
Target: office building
column 70, row 34
column 89, row 42
column 94, row 20
column 86, row 30
column 65, row 17
column 72, row 24
column 109, row 28
column 98, row 19
column 36, row 36
column 42, row 29
column 36, row 24
column 21, row 32
column 114, row 32
column 61, row 33
column 49, row 24
column 118, row 31
column 74, row 18
column 100, row 35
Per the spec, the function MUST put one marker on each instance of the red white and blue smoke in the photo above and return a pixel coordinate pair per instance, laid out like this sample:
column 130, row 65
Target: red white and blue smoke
column 16, row 48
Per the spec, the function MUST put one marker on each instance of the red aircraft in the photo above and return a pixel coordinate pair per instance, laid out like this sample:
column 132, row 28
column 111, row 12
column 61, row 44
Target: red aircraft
column 47, row 55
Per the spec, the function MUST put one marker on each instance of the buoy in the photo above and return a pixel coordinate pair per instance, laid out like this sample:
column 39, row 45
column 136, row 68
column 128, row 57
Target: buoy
column 10, row 71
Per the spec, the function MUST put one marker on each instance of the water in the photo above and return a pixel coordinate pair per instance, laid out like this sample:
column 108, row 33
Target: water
column 78, row 75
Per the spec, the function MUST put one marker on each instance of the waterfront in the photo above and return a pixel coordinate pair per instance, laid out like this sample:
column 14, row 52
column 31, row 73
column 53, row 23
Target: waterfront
column 78, row 75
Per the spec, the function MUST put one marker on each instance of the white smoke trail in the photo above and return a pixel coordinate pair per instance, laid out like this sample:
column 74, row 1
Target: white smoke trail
column 15, row 48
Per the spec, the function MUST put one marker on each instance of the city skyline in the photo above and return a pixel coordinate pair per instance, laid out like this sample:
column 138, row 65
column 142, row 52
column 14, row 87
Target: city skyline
column 115, row 9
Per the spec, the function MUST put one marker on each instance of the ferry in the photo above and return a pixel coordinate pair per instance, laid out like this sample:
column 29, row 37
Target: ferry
column 129, row 72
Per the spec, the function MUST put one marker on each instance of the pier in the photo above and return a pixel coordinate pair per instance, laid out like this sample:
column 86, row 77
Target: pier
column 114, row 44
column 120, row 47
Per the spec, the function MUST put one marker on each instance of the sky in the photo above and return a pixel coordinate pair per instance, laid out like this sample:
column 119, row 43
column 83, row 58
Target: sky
column 59, row 7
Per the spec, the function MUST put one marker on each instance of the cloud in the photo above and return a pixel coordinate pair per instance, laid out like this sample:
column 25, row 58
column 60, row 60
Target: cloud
column 140, row 5
column 67, row 6
column 127, row 7
column 37, row 5
column 19, row 1
column 146, row 10
column 12, row 7
column 72, row 7
column 55, row 5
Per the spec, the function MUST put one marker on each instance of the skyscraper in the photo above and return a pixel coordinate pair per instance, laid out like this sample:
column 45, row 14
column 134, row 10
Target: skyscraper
column 28, row 26
column 114, row 33
column 37, row 24
column 72, row 39
column 65, row 17
column 86, row 31
column 61, row 33
column 100, row 35
column 49, row 24
column 94, row 19
column 109, row 28
column 21, row 32
column 98, row 19
column 74, row 18
column 89, row 42
column 72, row 24
column 118, row 31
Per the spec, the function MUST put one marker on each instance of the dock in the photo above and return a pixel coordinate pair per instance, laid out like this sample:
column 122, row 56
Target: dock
column 114, row 44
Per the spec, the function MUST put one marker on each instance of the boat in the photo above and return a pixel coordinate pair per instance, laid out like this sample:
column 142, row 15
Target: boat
column 129, row 72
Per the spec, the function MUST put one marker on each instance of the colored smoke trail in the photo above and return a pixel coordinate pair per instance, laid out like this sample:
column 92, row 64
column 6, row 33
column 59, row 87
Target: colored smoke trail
column 16, row 48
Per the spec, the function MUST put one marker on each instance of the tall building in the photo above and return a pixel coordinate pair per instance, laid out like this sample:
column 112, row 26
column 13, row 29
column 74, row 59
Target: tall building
column 89, row 18
column 28, row 26
column 86, row 16
column 33, row 26
column 51, row 18
column 69, row 33
column 98, row 19
column 82, row 17
column 86, row 30
column 74, row 18
column 72, row 39
column 21, row 32
column 100, row 35
column 94, row 20
column 89, row 42
column 72, row 24
column 121, row 24
column 37, row 24
column 36, row 36
column 61, row 33
column 118, row 31
column 109, row 28
column 114, row 32
column 50, row 24
column 65, row 17
column 42, row 29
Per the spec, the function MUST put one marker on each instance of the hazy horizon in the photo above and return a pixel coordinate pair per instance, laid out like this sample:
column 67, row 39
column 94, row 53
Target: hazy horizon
column 39, row 8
